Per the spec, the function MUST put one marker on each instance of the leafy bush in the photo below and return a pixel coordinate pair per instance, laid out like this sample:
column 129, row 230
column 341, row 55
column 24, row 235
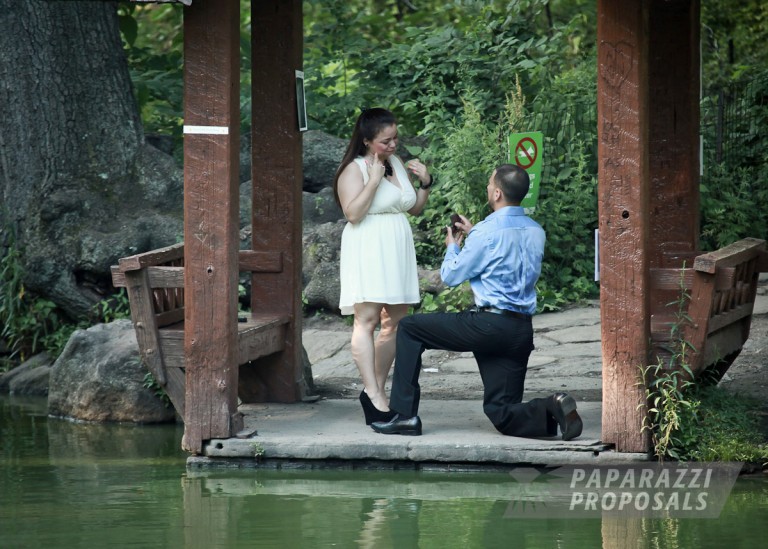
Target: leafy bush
column 29, row 324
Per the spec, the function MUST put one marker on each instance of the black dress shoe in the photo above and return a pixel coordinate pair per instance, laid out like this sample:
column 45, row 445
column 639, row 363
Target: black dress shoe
column 563, row 407
column 398, row 426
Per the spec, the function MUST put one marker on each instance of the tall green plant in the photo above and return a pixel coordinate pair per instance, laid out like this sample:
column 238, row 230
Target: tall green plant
column 670, row 408
column 29, row 324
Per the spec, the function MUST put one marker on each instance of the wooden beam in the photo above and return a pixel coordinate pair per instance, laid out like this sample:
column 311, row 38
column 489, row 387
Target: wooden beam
column 276, row 52
column 622, row 104
column 673, row 126
column 211, row 219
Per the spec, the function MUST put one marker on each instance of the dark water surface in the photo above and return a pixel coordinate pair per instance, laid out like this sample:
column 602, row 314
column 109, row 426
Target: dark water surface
column 65, row 484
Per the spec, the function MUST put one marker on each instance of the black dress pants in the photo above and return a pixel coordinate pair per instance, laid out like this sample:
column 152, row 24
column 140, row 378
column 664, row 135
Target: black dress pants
column 501, row 345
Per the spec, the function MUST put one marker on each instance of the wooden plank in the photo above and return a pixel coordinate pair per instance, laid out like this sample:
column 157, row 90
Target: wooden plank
column 118, row 277
column 259, row 337
column 173, row 277
column 160, row 256
column 623, row 203
column 720, row 321
column 261, row 343
column 175, row 388
column 276, row 52
column 174, row 316
column 211, row 218
column 699, row 311
column 261, row 262
column 721, row 344
column 671, row 279
column 166, row 277
column 143, row 316
column 733, row 254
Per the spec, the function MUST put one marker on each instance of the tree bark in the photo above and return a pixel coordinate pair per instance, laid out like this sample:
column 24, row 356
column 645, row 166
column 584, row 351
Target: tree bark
column 78, row 183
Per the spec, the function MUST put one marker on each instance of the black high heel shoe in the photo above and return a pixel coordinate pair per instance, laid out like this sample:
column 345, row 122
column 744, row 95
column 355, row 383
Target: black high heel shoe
column 371, row 412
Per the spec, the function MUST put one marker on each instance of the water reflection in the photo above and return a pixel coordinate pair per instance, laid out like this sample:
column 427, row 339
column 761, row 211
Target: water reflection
column 66, row 484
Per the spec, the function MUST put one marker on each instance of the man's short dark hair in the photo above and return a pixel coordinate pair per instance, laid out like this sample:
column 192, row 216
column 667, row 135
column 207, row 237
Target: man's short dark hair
column 513, row 182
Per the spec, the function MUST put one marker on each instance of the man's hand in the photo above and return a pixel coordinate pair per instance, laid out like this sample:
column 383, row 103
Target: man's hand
column 462, row 227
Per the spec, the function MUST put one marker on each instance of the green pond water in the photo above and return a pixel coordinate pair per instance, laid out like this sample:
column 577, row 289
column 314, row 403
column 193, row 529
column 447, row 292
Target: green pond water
column 65, row 484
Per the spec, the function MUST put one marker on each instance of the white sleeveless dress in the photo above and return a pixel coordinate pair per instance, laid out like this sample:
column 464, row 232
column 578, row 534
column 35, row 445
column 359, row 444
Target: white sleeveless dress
column 378, row 259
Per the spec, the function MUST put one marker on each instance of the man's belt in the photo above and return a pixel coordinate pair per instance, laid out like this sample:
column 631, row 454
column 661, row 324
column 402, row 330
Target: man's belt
column 504, row 312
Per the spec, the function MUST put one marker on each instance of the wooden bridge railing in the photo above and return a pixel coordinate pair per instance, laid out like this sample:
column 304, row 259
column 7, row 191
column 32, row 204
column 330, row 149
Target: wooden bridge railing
column 155, row 284
column 715, row 320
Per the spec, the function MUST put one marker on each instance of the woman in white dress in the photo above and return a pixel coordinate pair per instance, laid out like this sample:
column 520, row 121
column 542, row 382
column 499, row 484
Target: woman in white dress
column 378, row 272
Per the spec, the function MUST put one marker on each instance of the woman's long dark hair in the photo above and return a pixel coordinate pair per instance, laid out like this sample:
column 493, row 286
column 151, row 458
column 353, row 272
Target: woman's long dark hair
column 368, row 125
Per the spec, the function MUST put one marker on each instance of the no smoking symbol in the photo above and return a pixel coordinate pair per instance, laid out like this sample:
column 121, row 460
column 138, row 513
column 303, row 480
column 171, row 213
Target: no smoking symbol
column 526, row 153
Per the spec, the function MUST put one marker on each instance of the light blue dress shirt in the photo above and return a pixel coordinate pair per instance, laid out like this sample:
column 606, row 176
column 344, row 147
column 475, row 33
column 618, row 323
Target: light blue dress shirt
column 501, row 258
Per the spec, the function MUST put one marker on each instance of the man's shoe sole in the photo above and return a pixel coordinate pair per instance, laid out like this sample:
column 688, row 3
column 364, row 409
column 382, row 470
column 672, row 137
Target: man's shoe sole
column 408, row 433
column 574, row 426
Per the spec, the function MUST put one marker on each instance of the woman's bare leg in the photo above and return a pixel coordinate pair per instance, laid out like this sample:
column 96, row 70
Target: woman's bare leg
column 385, row 343
column 367, row 317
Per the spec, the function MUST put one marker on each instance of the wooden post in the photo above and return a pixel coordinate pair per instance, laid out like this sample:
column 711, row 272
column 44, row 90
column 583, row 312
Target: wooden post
column 211, row 203
column 623, row 190
column 674, row 161
column 277, row 41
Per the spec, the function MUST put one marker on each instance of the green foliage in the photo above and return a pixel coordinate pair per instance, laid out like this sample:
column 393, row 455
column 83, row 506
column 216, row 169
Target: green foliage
column 729, row 197
column 114, row 308
column 669, row 407
column 451, row 300
column 734, row 33
column 567, row 208
column 470, row 152
column 568, row 213
column 29, row 324
column 422, row 67
column 151, row 383
column 155, row 61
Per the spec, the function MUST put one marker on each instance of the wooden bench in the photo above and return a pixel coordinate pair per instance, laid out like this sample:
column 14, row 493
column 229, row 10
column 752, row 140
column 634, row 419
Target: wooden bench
column 715, row 317
column 154, row 281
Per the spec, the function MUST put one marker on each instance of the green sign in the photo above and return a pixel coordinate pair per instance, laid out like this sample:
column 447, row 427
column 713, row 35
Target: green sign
column 525, row 150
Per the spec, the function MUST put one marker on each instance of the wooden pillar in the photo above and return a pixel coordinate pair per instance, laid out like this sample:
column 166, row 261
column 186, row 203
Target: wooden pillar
column 674, row 85
column 211, row 203
column 277, row 42
column 623, row 192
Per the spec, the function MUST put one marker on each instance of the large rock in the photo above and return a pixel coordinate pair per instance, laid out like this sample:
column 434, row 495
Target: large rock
column 81, row 231
column 100, row 377
column 320, row 208
column 320, row 265
column 322, row 155
column 29, row 378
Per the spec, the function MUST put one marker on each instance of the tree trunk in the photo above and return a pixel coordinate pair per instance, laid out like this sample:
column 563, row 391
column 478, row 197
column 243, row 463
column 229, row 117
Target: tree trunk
column 78, row 183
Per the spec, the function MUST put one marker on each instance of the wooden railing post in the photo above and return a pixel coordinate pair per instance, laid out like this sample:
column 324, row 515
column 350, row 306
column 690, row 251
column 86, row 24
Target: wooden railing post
column 211, row 219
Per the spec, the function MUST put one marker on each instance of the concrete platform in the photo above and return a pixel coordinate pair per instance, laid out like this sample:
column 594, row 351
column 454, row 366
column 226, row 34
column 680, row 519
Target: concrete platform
column 457, row 435
column 455, row 432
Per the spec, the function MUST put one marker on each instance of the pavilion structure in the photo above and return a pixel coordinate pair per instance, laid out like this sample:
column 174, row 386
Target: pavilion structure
column 648, row 193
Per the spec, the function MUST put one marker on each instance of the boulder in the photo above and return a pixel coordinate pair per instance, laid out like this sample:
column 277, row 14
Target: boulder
column 320, row 265
column 320, row 208
column 30, row 378
column 100, row 377
column 322, row 154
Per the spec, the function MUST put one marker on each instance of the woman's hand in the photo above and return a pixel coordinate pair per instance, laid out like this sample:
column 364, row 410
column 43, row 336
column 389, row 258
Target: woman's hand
column 375, row 170
column 417, row 168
